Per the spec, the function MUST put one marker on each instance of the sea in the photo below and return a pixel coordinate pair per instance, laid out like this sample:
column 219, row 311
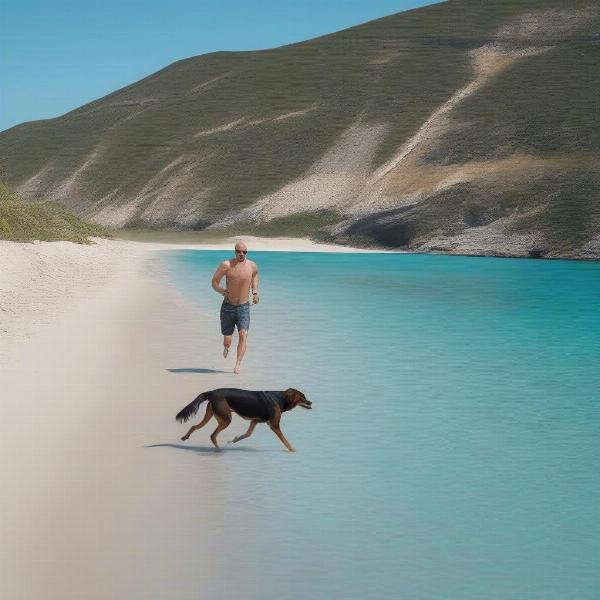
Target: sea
column 453, row 449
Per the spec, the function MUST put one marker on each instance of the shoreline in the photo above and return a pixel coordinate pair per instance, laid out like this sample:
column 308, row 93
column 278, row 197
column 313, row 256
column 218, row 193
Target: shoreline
column 289, row 244
column 97, row 355
column 295, row 244
column 260, row 244
column 40, row 277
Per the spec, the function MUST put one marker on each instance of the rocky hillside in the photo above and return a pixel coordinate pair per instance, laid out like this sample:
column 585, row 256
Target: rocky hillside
column 471, row 126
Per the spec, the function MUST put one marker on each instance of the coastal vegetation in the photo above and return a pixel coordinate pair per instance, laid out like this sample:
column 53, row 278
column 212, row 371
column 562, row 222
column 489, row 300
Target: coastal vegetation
column 22, row 221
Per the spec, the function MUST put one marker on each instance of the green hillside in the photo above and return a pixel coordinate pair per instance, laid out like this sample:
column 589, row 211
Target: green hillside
column 24, row 222
column 140, row 130
column 415, row 130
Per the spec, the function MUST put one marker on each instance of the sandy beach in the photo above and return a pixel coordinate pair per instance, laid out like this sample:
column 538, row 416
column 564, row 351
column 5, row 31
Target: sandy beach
column 97, row 355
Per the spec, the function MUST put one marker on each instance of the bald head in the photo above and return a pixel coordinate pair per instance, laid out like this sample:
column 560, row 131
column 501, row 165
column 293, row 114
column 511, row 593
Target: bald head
column 240, row 251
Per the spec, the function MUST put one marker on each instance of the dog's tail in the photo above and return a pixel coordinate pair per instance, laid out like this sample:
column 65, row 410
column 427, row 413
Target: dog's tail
column 192, row 408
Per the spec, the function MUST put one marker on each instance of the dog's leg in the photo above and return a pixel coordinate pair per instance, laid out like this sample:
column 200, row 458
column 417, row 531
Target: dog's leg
column 274, row 424
column 207, row 417
column 245, row 435
column 223, row 416
column 275, row 429
column 222, row 425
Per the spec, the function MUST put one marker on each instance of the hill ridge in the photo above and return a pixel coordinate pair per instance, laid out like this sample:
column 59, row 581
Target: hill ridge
column 422, row 130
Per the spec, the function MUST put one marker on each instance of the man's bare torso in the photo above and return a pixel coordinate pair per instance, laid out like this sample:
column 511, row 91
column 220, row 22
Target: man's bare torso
column 239, row 278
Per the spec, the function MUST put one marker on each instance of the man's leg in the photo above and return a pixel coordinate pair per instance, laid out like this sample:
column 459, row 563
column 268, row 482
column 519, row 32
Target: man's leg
column 243, row 324
column 226, row 344
column 241, row 349
column 227, row 327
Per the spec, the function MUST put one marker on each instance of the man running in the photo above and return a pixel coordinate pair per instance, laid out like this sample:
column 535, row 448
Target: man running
column 241, row 275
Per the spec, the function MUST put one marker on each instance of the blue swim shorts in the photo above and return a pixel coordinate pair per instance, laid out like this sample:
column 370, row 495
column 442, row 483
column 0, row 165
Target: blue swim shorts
column 234, row 314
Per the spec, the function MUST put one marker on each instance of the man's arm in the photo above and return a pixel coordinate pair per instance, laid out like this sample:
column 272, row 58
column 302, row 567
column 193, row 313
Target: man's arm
column 216, row 280
column 254, row 283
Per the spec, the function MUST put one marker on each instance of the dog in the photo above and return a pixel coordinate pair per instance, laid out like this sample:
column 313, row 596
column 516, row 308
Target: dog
column 256, row 407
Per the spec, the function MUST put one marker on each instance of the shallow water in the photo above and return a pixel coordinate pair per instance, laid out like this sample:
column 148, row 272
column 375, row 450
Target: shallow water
column 453, row 448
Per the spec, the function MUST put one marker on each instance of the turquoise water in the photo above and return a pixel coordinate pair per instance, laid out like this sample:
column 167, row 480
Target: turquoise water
column 454, row 446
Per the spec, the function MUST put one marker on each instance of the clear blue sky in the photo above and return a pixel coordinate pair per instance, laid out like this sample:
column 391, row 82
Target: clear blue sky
column 56, row 55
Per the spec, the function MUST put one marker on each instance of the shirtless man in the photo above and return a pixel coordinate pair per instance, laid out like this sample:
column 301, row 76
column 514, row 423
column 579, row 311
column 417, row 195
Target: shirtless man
column 240, row 274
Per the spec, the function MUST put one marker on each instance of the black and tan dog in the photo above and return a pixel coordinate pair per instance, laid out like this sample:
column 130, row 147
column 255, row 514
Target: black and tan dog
column 257, row 407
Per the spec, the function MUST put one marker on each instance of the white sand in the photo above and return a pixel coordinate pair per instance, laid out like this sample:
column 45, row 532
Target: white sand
column 281, row 244
column 87, row 337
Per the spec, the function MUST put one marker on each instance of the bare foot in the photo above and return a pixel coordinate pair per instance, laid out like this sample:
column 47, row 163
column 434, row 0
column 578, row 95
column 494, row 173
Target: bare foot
column 185, row 437
column 225, row 352
column 236, row 369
